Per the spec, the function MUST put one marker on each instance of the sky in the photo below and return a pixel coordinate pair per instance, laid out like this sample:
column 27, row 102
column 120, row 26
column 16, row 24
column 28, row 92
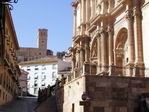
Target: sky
column 54, row 15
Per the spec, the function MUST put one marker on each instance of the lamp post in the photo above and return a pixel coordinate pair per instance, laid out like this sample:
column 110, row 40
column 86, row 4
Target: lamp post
column 3, row 4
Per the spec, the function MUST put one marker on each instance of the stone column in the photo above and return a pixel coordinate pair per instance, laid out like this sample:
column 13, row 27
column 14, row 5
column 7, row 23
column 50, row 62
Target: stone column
column 99, row 53
column 75, row 19
column 77, row 66
column 81, row 54
column 75, row 22
column 104, row 51
column 139, row 62
column 92, row 8
column 131, row 44
column 88, row 12
column 83, row 16
column 111, row 54
column 83, row 3
column 73, row 58
column 103, row 7
column 87, row 49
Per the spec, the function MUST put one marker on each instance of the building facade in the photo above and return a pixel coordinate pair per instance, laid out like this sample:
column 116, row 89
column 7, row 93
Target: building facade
column 42, row 72
column 109, row 58
column 111, row 35
column 9, row 69
column 27, row 54
column 23, row 83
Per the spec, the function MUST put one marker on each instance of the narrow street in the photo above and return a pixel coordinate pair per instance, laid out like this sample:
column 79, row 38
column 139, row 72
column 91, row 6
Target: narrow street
column 49, row 105
column 30, row 104
column 26, row 104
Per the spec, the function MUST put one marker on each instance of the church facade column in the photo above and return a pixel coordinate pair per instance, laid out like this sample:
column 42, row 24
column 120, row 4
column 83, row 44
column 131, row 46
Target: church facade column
column 87, row 49
column 111, row 54
column 75, row 22
column 131, row 44
column 83, row 16
column 92, row 8
column 104, row 57
column 82, row 54
column 74, row 18
column 88, row 12
column 99, row 53
column 139, row 62
column 83, row 10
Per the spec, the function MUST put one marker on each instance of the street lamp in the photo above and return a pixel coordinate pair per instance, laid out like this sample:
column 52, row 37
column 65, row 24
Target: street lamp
column 8, row 2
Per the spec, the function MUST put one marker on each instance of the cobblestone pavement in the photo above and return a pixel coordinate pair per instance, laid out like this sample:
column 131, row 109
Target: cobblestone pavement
column 25, row 104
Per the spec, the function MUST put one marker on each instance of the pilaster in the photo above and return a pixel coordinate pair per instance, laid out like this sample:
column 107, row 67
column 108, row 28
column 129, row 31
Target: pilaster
column 139, row 62
column 111, row 54
column 87, row 49
column 131, row 43
column 75, row 18
column 104, row 51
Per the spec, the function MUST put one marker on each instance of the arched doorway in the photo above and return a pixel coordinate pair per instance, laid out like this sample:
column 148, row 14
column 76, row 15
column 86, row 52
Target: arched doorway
column 121, row 51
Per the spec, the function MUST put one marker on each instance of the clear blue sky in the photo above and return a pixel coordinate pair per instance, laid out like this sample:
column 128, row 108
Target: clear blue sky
column 54, row 15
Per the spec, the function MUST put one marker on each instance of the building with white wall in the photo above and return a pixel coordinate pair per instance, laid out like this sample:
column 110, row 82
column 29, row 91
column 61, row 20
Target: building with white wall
column 42, row 72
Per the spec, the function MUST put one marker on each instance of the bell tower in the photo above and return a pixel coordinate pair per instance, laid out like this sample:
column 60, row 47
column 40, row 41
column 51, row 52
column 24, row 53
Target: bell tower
column 42, row 38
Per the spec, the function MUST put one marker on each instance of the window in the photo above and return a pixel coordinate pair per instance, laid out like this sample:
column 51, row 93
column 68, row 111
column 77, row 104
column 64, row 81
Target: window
column 28, row 69
column 43, row 73
column 44, row 68
column 35, row 90
column 54, row 66
column 36, row 77
column 43, row 84
column 36, row 68
column 35, row 84
column 53, row 75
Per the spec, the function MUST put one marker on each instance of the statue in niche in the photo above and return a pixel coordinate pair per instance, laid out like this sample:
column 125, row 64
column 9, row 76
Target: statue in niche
column 94, row 50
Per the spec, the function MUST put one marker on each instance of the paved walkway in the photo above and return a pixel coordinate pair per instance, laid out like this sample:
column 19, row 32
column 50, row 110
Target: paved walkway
column 26, row 104
column 48, row 105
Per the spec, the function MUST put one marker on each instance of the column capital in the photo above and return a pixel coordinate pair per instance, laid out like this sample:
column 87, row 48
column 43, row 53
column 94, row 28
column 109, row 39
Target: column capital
column 129, row 15
column 101, row 30
column 110, row 29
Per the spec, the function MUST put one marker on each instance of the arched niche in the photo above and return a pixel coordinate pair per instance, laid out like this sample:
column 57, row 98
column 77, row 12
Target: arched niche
column 121, row 51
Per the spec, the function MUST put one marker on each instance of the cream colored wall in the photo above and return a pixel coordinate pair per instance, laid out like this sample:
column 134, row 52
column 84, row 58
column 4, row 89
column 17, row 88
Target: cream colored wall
column 145, row 27
column 72, row 94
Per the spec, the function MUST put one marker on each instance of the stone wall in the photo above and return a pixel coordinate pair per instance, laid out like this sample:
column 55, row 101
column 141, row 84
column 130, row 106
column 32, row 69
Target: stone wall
column 115, row 94
column 69, row 95
column 104, row 93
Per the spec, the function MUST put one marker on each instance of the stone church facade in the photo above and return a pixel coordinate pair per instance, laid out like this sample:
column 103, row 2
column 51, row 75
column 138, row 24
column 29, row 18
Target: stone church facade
column 109, row 58
column 108, row 34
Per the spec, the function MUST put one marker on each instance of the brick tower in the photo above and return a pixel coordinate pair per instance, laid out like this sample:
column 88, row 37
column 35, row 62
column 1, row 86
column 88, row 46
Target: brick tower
column 42, row 38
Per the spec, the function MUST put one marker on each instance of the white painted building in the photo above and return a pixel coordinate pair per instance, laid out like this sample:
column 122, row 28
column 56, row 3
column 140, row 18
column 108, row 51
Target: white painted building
column 42, row 73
